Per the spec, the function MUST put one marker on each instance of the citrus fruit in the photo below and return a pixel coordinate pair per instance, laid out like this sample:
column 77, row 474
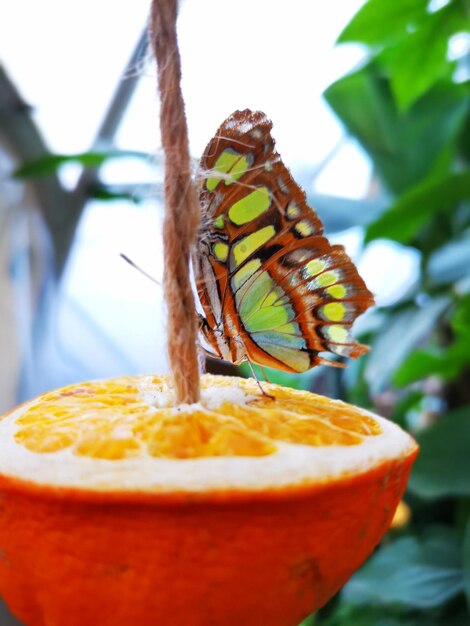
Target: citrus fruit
column 119, row 508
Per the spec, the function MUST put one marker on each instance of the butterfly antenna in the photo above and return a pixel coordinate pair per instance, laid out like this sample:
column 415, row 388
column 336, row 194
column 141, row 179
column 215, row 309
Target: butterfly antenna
column 139, row 269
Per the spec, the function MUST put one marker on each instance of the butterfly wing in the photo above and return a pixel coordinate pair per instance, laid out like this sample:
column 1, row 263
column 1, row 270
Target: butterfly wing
column 272, row 287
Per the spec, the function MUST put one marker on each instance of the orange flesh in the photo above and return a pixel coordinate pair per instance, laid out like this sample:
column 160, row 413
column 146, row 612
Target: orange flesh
column 114, row 421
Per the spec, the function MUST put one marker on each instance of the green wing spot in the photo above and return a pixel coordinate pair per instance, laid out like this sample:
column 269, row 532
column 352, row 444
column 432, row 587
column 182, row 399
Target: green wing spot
column 326, row 279
column 220, row 251
column 219, row 222
column 232, row 163
column 334, row 311
column 249, row 244
column 304, row 228
column 250, row 207
column 337, row 333
column 337, row 291
column 293, row 210
column 315, row 266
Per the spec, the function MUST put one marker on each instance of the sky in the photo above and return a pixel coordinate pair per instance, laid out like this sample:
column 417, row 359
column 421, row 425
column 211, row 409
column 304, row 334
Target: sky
column 275, row 56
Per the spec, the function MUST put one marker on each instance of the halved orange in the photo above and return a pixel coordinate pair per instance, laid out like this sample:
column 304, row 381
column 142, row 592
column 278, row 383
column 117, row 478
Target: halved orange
column 119, row 508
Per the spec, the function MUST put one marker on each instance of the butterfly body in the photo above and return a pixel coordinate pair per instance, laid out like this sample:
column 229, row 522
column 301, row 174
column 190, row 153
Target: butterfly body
column 274, row 291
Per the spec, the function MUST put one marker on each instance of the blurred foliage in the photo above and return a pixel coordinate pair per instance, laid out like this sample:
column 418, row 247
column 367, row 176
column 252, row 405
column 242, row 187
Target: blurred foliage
column 51, row 163
column 408, row 106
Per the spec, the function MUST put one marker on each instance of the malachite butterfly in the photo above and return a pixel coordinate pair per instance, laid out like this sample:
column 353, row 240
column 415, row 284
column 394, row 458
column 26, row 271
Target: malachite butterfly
column 274, row 291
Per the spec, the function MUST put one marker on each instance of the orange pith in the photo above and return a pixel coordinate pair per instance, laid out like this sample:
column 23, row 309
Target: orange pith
column 115, row 420
column 72, row 554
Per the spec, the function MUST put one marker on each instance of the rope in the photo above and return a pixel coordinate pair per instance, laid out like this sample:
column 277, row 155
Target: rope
column 181, row 206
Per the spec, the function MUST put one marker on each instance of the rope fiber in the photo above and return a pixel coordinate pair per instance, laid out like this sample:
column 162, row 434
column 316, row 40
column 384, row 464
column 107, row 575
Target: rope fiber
column 182, row 212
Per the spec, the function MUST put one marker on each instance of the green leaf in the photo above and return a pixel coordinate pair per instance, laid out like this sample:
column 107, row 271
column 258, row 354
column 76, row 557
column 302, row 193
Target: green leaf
column 418, row 573
column 393, row 615
column 464, row 141
column 379, row 21
column 363, row 615
column 414, row 208
column 405, row 147
column 420, row 59
column 466, row 563
column 398, row 336
column 461, row 319
column 443, row 465
column 446, row 363
column 50, row 164
column 418, row 365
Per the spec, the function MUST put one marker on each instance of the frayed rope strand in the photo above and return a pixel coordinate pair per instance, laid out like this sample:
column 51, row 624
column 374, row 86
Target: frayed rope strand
column 181, row 206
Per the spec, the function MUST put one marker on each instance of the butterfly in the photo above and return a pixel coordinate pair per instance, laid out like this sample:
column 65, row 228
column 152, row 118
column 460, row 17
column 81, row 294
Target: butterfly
column 274, row 291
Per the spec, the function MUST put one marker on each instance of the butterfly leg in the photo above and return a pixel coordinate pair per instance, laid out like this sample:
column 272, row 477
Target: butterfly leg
column 258, row 382
column 263, row 371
